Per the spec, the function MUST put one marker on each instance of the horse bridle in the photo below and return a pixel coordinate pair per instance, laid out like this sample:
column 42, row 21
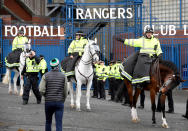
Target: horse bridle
column 91, row 60
column 166, row 84
column 87, row 63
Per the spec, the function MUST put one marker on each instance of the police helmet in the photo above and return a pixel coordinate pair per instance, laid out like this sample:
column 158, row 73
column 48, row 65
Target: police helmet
column 80, row 33
column 20, row 32
column 54, row 62
column 149, row 30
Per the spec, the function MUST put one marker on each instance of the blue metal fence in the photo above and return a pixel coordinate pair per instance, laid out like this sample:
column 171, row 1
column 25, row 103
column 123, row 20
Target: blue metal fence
column 1, row 45
column 106, row 30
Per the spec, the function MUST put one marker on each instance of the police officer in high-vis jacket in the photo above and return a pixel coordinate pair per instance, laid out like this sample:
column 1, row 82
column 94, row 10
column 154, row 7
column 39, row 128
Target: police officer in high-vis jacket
column 43, row 65
column 75, row 51
column 101, row 72
column 19, row 40
column 149, row 48
column 31, row 71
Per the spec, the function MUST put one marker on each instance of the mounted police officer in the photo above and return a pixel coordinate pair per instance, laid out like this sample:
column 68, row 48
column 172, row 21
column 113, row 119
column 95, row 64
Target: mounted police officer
column 18, row 45
column 19, row 40
column 75, row 51
column 139, row 70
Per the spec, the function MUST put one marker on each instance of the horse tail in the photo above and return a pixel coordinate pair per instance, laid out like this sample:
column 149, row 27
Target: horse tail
column 5, row 78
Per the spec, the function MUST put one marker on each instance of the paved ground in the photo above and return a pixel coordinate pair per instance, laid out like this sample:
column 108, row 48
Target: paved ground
column 104, row 116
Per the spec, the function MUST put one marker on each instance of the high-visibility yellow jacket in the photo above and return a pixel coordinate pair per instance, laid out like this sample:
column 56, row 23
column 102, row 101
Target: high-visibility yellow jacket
column 78, row 46
column 101, row 72
column 117, row 74
column 43, row 65
column 32, row 66
column 19, row 42
column 111, row 71
column 147, row 45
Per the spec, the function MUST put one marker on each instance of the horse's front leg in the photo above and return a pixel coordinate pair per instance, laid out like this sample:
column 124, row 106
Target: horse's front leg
column 133, row 109
column 153, row 105
column 21, row 85
column 9, row 81
column 162, row 101
column 130, row 92
column 78, row 95
column 88, row 94
column 16, row 75
column 71, row 91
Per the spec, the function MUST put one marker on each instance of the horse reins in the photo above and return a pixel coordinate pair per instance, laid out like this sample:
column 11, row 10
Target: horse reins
column 87, row 63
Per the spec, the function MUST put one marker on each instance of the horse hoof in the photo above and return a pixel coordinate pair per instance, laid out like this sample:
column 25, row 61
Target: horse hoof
column 16, row 93
column 78, row 109
column 88, row 109
column 165, row 126
column 135, row 120
column 10, row 92
column 72, row 106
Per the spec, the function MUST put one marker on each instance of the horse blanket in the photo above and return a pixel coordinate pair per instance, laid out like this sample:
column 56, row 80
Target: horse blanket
column 13, row 58
column 136, row 68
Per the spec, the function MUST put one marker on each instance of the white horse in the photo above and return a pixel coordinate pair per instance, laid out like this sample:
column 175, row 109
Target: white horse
column 84, row 73
column 17, row 70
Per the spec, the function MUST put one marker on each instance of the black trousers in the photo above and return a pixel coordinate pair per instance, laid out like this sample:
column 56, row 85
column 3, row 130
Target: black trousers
column 31, row 82
column 95, row 86
column 142, row 97
column 170, row 101
column 122, row 93
column 71, row 63
column 186, row 113
column 68, row 63
column 111, row 86
column 101, row 90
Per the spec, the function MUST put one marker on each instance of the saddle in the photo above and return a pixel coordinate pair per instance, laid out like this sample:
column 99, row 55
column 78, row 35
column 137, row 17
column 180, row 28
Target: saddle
column 13, row 58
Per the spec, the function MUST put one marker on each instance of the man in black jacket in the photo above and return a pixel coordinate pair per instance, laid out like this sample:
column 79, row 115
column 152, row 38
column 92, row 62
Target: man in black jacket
column 54, row 88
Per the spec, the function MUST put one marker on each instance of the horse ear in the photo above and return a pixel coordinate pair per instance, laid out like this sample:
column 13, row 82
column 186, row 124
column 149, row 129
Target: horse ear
column 95, row 40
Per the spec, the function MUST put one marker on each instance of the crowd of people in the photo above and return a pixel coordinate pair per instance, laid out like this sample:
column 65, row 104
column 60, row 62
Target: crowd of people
column 53, row 83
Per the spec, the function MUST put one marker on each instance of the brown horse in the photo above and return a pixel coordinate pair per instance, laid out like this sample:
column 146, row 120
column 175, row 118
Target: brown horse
column 169, row 78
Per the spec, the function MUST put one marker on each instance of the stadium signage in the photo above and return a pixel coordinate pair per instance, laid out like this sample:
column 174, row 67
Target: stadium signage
column 104, row 13
column 36, row 31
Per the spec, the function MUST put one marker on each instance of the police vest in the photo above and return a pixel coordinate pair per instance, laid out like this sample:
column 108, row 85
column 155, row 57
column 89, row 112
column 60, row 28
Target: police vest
column 19, row 42
column 77, row 46
column 148, row 46
column 32, row 66
column 43, row 65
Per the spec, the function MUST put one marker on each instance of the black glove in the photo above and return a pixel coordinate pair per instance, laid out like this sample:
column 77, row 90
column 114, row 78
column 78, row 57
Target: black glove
column 120, row 40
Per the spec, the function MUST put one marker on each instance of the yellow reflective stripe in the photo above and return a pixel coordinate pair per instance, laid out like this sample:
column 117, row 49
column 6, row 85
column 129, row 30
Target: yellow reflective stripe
column 69, row 73
column 12, row 65
column 147, row 51
column 129, row 77
column 132, row 42
column 143, row 43
column 140, row 80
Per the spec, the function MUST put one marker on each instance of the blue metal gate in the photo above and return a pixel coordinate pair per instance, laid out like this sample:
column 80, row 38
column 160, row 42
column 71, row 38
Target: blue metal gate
column 1, row 51
column 106, row 30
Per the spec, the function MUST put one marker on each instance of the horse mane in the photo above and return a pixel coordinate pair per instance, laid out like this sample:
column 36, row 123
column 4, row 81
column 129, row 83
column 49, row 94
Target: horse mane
column 170, row 65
